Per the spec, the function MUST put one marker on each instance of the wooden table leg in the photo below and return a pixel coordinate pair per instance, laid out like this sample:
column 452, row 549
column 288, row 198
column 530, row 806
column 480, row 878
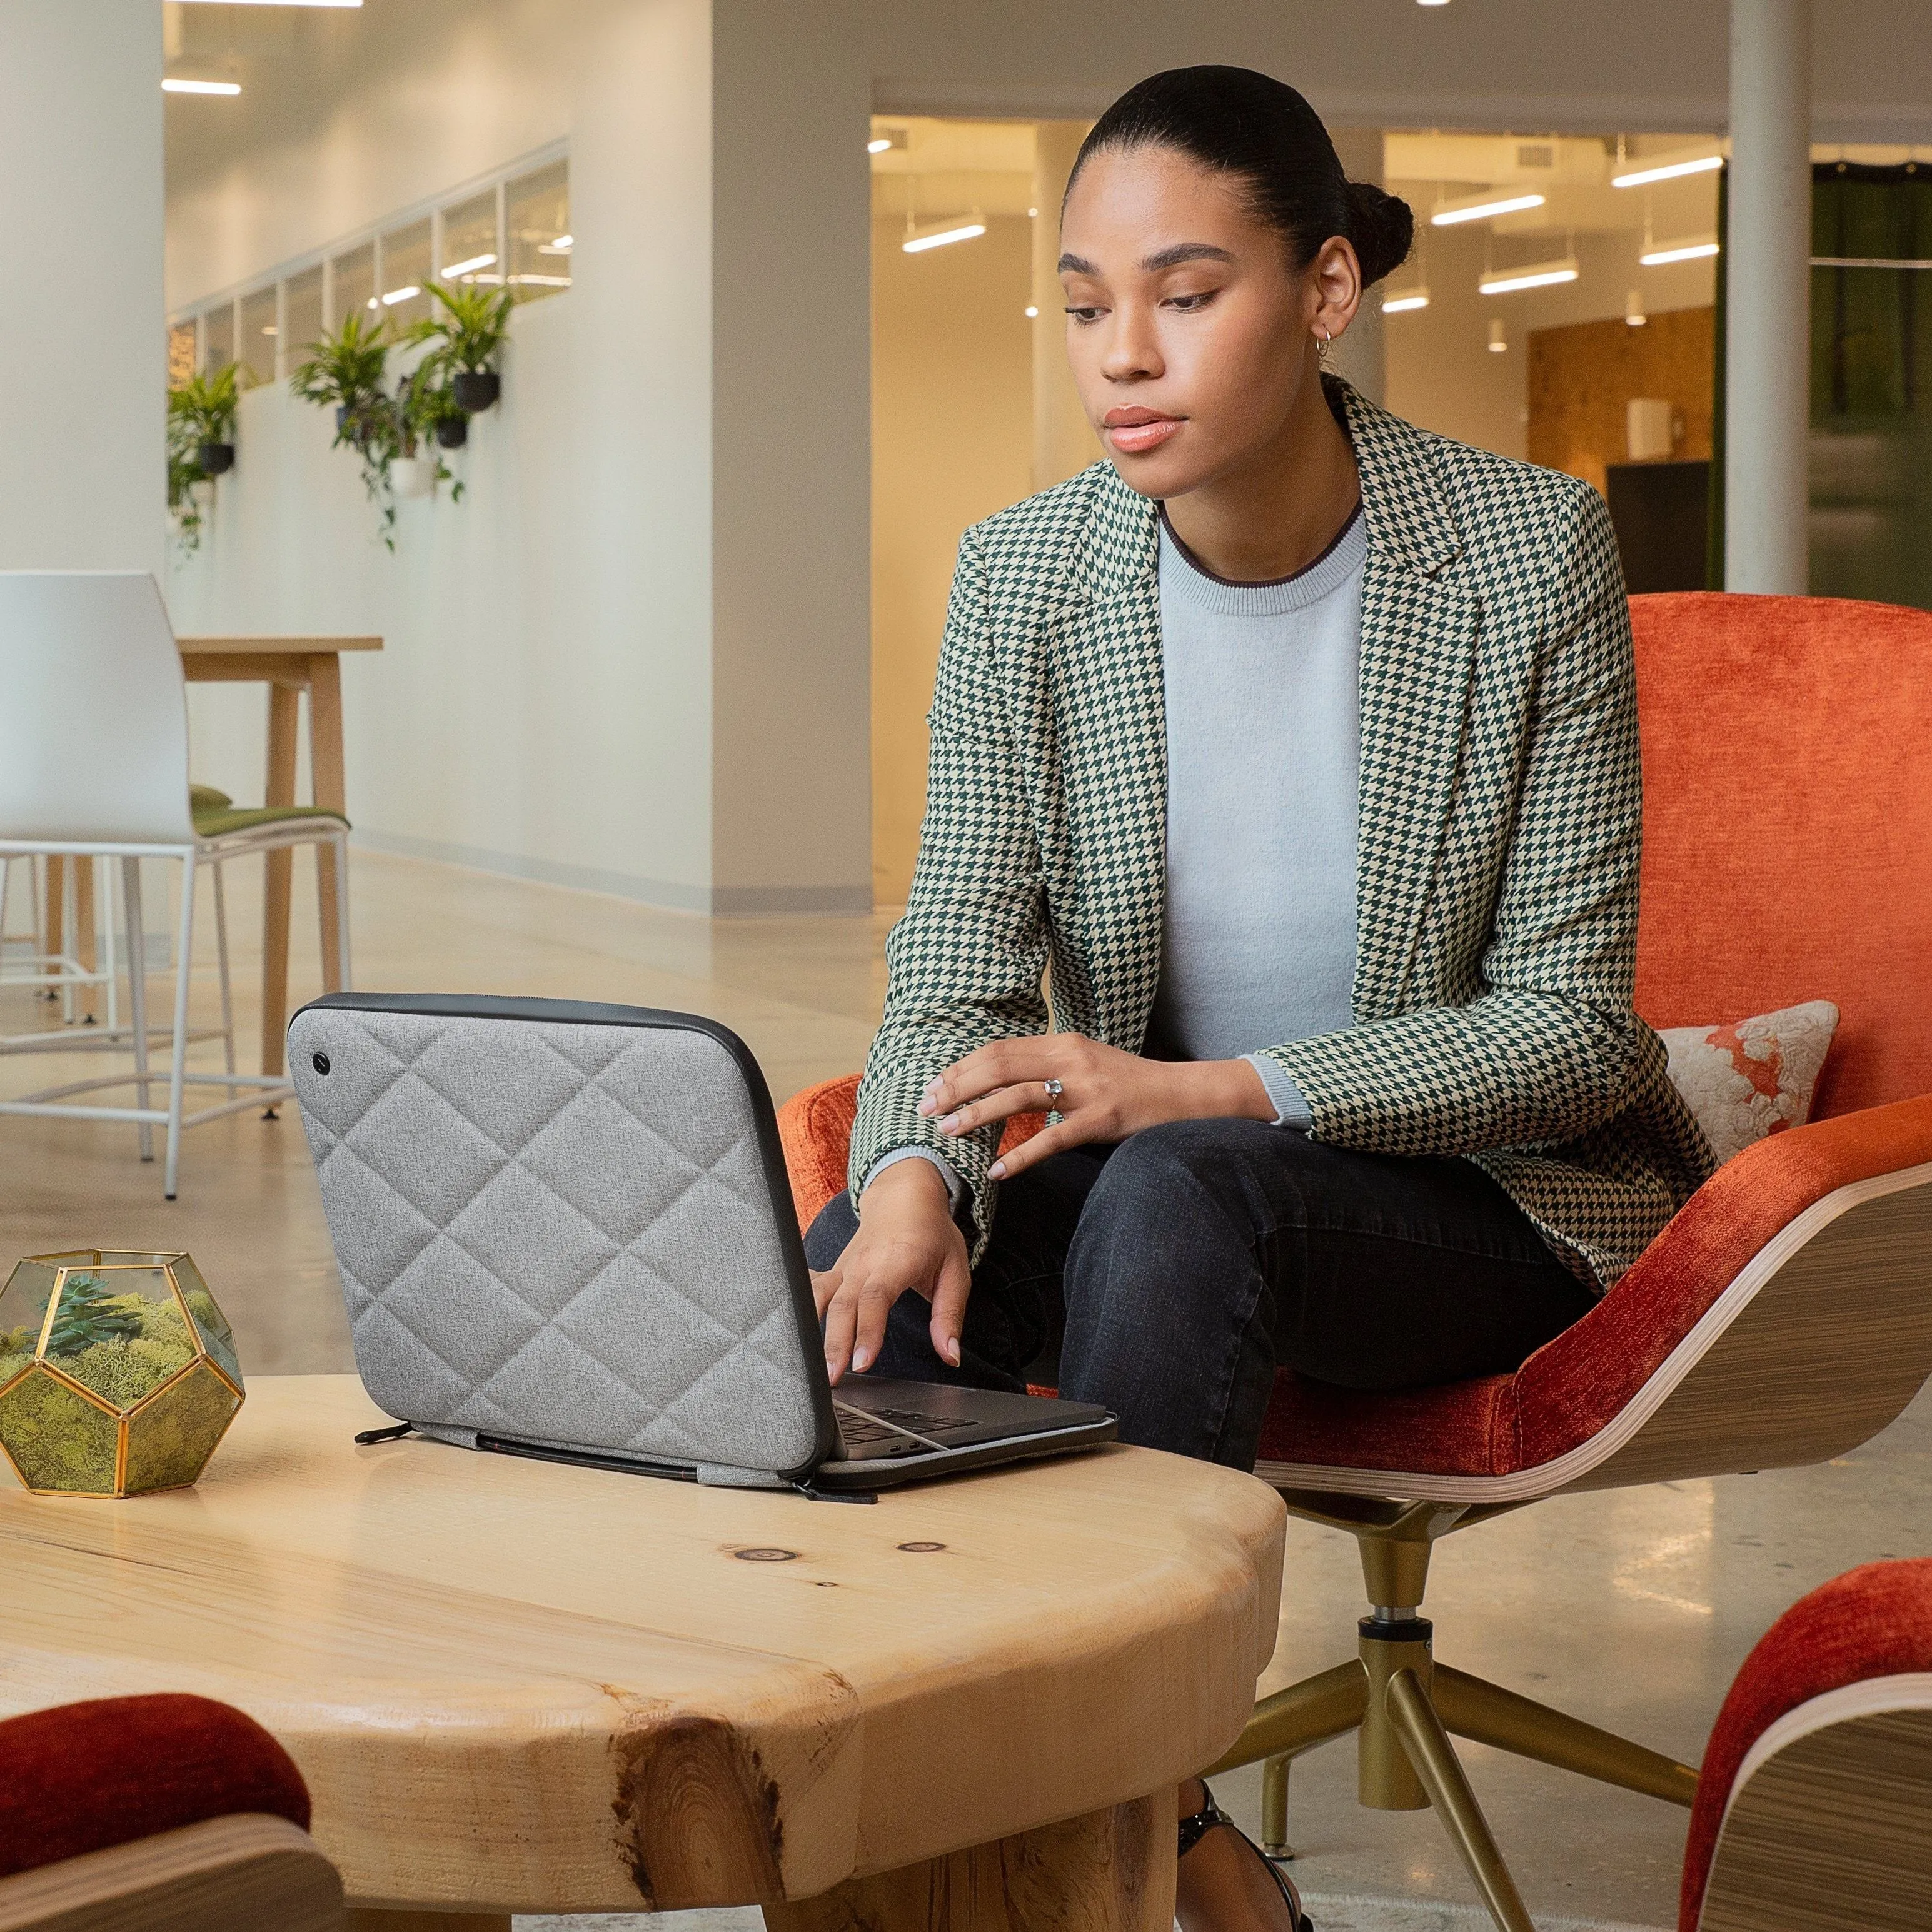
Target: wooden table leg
column 284, row 707
column 83, row 932
column 325, row 758
column 1111, row 1871
column 55, row 940
column 360, row 1919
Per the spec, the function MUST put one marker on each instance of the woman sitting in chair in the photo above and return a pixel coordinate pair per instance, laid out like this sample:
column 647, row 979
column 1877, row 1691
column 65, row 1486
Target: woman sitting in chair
column 1294, row 750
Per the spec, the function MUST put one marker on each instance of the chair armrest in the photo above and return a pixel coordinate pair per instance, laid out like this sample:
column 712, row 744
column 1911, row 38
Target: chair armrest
column 247, row 1873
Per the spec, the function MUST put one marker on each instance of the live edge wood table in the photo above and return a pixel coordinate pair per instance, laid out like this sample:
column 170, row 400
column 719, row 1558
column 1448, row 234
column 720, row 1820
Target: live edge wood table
column 288, row 666
column 515, row 1686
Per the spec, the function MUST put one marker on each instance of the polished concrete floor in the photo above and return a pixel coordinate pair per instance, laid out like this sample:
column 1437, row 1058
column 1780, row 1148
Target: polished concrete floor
column 1632, row 1609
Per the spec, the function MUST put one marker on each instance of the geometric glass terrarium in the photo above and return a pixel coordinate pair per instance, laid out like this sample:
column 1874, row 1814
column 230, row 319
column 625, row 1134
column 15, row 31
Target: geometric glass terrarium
column 117, row 1373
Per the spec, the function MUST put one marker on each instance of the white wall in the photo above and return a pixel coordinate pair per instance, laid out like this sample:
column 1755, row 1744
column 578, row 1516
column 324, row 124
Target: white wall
column 544, row 703
column 81, row 341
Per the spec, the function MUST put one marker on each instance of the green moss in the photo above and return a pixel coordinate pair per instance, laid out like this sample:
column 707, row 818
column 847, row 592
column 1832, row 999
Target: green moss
column 125, row 1371
column 13, row 1362
column 58, row 1439
column 161, row 1321
column 171, row 1440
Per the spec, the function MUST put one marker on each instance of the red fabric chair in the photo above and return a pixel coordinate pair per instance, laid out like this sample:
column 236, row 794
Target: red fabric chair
column 1785, row 1315
column 1814, row 1807
column 165, row 1810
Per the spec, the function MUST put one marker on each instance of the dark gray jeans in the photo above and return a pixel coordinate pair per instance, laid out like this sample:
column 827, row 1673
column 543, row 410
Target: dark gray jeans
column 1167, row 1277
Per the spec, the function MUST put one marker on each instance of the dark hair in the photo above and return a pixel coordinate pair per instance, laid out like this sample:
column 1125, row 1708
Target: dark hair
column 1251, row 125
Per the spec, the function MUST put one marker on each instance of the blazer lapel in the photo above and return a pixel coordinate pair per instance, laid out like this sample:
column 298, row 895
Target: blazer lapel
column 1110, row 725
column 1418, row 650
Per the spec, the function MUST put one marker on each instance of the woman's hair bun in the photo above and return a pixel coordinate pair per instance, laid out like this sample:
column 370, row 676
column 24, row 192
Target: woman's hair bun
column 1382, row 226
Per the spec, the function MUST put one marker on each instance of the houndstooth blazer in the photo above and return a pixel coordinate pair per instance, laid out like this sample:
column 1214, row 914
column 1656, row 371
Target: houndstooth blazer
column 1496, row 886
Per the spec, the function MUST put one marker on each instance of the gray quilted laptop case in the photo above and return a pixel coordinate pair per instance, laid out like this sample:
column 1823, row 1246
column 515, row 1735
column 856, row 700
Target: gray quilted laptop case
column 565, row 1227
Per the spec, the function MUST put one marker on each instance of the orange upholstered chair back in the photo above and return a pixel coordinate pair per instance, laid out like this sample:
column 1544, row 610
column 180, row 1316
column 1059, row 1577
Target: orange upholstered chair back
column 1787, row 853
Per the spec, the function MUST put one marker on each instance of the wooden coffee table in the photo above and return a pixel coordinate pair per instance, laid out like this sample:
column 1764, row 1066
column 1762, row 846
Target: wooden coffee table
column 514, row 1686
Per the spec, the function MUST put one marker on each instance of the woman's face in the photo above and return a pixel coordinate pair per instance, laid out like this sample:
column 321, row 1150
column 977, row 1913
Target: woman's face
column 1191, row 336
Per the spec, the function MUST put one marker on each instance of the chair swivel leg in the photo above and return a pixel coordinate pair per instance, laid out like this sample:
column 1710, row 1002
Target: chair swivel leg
column 1485, row 1713
column 1413, row 1718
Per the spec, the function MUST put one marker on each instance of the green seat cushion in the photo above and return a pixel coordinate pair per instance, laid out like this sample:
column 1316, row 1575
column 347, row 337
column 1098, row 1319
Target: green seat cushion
column 217, row 821
column 205, row 798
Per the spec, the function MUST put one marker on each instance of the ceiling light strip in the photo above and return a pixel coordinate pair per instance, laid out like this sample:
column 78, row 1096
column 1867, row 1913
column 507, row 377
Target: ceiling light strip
column 1669, row 171
column 1542, row 275
column 1481, row 211
column 918, row 244
column 1678, row 251
column 173, row 86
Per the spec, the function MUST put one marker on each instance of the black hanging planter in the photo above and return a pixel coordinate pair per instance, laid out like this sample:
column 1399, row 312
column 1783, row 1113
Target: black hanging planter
column 477, row 389
column 452, row 432
column 216, row 459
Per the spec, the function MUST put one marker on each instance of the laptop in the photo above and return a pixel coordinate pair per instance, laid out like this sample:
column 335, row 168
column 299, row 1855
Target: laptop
column 564, row 1230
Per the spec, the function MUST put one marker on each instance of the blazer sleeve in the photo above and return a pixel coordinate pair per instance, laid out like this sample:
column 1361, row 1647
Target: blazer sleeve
column 1550, row 1047
column 965, row 963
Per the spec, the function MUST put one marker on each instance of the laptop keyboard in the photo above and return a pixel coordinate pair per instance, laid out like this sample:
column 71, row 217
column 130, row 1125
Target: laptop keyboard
column 867, row 1433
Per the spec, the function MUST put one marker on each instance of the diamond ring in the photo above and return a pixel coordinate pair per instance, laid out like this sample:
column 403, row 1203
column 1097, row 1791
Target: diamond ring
column 1054, row 1089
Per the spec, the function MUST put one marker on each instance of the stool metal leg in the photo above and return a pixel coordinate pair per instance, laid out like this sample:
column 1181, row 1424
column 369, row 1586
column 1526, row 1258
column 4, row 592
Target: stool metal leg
column 137, row 994
column 1274, row 1808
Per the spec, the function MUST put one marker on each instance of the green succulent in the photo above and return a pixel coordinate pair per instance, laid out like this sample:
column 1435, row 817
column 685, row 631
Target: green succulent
column 89, row 1314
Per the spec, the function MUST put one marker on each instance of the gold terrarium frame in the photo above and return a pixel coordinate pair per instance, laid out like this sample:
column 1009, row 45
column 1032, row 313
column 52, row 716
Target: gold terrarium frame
column 107, row 1262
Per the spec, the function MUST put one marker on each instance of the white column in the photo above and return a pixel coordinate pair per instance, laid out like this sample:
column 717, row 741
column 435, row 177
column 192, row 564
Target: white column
column 1768, row 296
column 80, row 204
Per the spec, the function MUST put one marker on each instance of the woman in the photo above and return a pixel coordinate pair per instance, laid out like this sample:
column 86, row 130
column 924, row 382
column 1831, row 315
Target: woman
column 1295, row 749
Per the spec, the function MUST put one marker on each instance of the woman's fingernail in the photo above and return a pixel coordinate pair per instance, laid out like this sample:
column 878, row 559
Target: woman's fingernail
column 926, row 1105
column 952, row 1353
column 859, row 1360
column 997, row 1170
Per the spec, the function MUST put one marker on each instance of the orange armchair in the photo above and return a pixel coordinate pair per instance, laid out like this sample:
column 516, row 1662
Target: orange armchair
column 1783, row 1318
column 164, row 1814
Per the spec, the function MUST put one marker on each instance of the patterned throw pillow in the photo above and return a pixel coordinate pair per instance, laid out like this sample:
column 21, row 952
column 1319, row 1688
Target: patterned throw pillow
column 1753, row 1077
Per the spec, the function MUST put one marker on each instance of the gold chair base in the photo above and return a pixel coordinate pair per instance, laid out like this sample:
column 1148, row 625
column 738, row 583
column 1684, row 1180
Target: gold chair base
column 1404, row 1707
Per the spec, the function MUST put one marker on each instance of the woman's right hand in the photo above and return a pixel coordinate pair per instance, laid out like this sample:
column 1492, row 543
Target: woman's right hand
column 907, row 1239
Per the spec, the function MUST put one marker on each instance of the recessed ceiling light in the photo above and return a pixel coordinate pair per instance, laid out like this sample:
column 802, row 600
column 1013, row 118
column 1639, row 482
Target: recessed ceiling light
column 878, row 145
column 1032, row 312
column 1668, row 171
column 201, row 87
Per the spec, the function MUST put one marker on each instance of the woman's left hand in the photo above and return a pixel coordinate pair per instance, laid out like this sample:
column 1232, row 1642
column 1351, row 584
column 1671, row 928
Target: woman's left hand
column 1103, row 1094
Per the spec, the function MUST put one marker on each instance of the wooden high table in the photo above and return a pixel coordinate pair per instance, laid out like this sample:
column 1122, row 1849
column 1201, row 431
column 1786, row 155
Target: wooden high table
column 289, row 666
column 517, row 1686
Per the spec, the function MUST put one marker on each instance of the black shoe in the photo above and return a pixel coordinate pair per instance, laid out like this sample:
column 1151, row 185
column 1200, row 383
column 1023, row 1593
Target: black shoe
column 1194, row 1829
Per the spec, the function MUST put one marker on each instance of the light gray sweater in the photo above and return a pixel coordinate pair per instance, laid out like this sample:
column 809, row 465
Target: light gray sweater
column 1263, row 739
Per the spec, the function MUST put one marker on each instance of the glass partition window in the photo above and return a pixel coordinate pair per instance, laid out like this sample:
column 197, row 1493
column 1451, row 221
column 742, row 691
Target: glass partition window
column 405, row 271
column 536, row 211
column 355, row 284
column 256, row 351
column 217, row 336
column 470, row 253
column 301, row 316
column 180, row 353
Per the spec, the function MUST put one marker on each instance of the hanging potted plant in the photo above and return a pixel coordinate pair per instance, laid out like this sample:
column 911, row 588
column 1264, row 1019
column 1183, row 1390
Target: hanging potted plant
column 201, row 445
column 469, row 334
column 204, row 407
column 427, row 415
column 345, row 371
